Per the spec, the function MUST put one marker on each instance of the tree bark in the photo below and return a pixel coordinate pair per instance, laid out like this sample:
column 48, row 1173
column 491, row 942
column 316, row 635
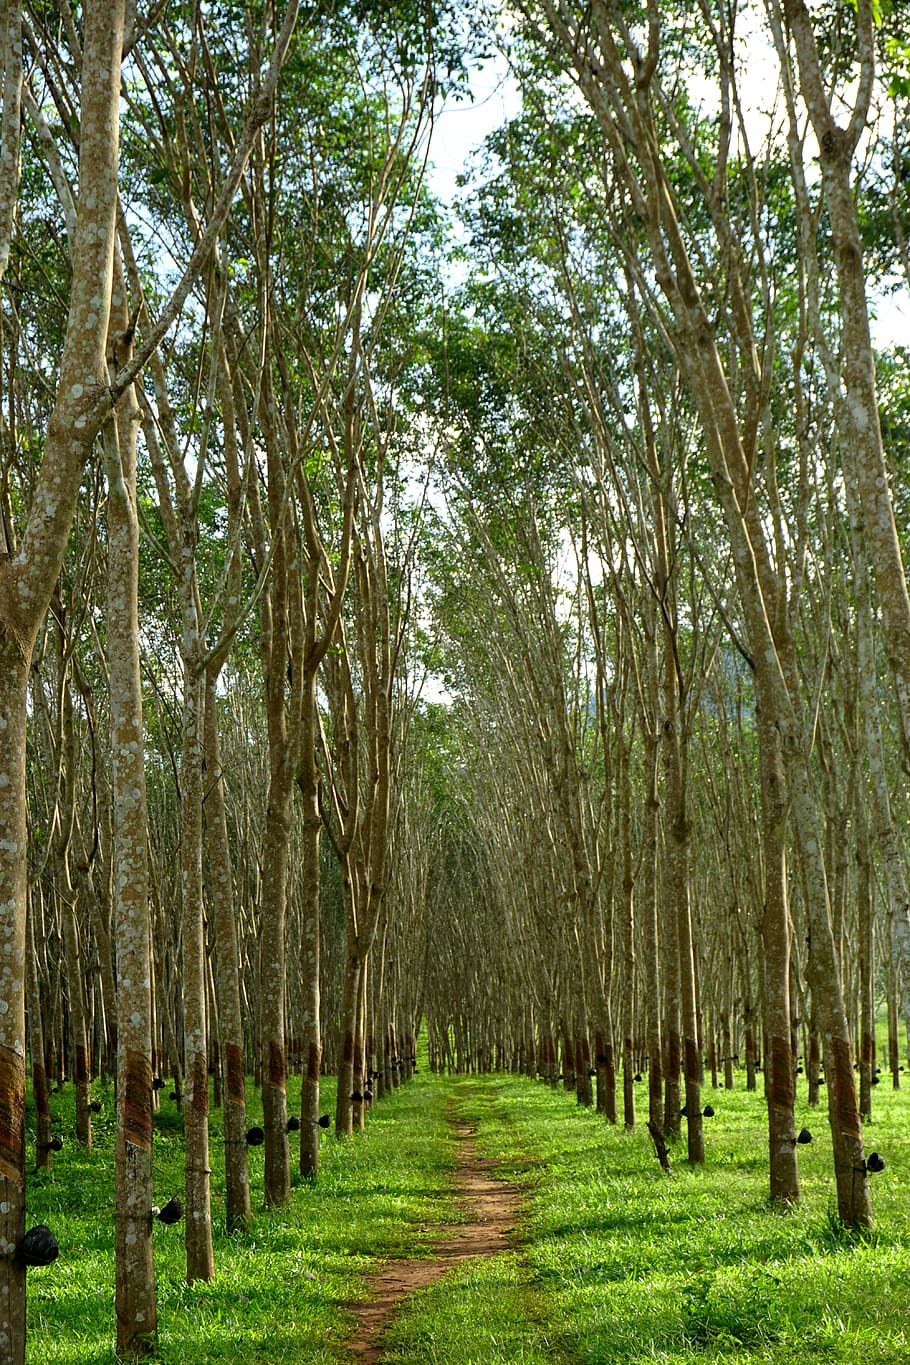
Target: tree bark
column 27, row 578
column 626, row 118
column 200, row 1261
column 344, row 1107
column 227, row 974
column 40, row 1093
column 780, row 1090
column 135, row 1277
column 837, row 147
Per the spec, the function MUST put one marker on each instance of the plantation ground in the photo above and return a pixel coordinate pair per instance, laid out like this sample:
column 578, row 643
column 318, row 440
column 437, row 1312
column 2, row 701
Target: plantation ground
column 613, row 1261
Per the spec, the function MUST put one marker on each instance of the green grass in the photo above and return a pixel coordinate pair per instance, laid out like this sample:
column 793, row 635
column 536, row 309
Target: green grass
column 281, row 1291
column 487, row 1311
column 637, row 1268
column 615, row 1262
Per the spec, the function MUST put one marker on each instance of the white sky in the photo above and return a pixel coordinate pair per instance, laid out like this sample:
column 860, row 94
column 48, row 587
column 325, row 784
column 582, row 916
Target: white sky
column 463, row 124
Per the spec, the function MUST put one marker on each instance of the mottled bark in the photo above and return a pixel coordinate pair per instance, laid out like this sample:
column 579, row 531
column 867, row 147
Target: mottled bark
column 727, row 1045
column 135, row 1278
column 227, row 974
column 27, row 578
column 40, row 1093
column 865, row 913
column 887, row 838
column 670, row 977
column 628, row 944
column 63, row 838
column 893, row 1040
column 650, row 942
column 272, row 974
column 200, row 1262
column 308, row 783
column 837, row 147
column 676, row 839
column 584, row 1091
column 278, row 610
column 344, row 1107
column 10, row 128
column 813, row 1064
column 780, row 1090
column 625, row 116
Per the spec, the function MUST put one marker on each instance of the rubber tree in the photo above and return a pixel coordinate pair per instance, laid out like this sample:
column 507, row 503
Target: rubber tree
column 28, row 572
column 86, row 395
column 621, row 84
column 850, row 371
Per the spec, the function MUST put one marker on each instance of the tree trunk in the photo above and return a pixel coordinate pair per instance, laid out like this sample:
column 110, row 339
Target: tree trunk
column 628, row 946
column 837, row 147
column 135, row 1278
column 344, row 1112
column 227, row 975
column 780, row 1091
column 27, row 579
column 65, row 814
column 865, row 910
column 730, row 450
column 271, row 989
column 40, row 1093
column 14, row 655
column 308, row 784
column 200, row 1261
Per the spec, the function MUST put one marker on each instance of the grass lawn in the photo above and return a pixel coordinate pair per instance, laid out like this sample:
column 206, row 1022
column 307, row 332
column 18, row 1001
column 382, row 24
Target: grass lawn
column 616, row 1263
column 620, row 1264
column 280, row 1292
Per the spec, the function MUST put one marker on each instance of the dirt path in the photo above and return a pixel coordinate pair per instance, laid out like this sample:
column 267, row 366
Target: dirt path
column 492, row 1206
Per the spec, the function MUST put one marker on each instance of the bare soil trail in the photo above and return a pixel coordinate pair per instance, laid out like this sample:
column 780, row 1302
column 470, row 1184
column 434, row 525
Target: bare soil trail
column 492, row 1206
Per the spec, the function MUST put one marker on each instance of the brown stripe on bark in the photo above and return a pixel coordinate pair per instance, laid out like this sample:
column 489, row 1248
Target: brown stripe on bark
column 200, row 1085
column 236, row 1081
column 40, row 1091
column 692, row 1067
column 277, row 1068
column 780, row 1082
column 313, row 1062
column 12, row 1116
column 844, row 1088
column 137, row 1117
column 83, row 1074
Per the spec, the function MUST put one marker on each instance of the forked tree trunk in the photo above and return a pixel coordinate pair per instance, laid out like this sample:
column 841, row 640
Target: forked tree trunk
column 66, row 813
column 28, row 575
column 837, row 147
column 594, row 52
